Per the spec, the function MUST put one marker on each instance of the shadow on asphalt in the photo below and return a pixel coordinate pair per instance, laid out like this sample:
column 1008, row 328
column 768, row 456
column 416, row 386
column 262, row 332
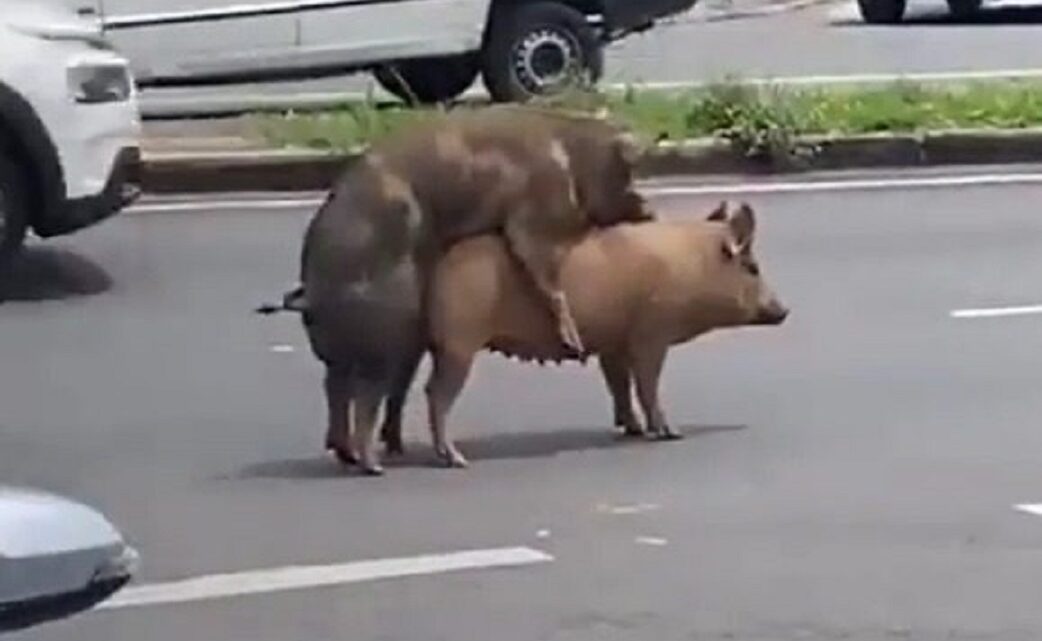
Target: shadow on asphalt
column 486, row 448
column 50, row 273
column 1009, row 16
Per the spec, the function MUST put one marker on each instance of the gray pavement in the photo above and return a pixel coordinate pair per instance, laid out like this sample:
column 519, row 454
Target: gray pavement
column 848, row 476
column 713, row 42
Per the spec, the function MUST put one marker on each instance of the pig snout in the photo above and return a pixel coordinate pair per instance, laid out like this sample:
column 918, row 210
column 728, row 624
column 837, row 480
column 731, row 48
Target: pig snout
column 771, row 312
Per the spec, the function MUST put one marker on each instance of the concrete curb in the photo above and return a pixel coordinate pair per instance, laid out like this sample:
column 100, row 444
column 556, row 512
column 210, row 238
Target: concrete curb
column 272, row 170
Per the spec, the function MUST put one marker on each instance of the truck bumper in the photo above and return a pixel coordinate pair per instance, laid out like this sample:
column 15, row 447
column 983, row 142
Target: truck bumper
column 626, row 15
column 121, row 189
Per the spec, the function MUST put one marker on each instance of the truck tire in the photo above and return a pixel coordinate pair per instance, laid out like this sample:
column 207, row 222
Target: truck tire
column 964, row 8
column 539, row 49
column 14, row 209
column 429, row 80
column 882, row 11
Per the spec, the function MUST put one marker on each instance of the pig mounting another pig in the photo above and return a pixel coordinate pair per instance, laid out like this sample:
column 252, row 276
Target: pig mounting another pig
column 635, row 290
column 537, row 180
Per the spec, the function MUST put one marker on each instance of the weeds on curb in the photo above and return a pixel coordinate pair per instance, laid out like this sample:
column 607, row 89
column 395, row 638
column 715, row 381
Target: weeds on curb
column 766, row 123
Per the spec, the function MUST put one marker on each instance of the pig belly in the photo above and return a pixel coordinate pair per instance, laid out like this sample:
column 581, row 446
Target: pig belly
column 526, row 329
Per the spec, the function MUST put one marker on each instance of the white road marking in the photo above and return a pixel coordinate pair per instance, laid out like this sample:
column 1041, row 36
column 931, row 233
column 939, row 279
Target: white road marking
column 997, row 312
column 543, row 534
column 651, row 540
column 628, row 509
column 1030, row 508
column 283, row 349
column 868, row 184
column 846, row 79
column 224, row 205
column 651, row 189
column 218, row 586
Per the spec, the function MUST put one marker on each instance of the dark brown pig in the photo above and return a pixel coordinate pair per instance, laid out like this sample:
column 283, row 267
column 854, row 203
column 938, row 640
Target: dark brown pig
column 369, row 248
column 635, row 291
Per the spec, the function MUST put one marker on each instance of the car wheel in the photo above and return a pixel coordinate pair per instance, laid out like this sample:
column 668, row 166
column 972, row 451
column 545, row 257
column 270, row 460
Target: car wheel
column 539, row 49
column 429, row 80
column 14, row 209
column 882, row 11
column 964, row 8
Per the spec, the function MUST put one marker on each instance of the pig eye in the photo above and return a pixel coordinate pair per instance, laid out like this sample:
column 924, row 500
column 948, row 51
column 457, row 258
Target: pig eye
column 753, row 268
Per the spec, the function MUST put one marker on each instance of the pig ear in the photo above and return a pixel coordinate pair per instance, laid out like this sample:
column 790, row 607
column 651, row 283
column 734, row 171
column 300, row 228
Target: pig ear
column 719, row 214
column 743, row 225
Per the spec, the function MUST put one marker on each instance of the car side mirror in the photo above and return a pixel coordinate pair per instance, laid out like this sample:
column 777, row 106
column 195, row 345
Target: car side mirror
column 58, row 558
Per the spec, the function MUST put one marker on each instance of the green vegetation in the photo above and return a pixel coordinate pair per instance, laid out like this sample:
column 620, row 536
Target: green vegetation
column 757, row 120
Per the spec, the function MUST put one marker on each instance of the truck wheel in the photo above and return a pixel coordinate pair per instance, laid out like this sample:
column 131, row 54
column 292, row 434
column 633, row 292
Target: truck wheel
column 14, row 209
column 429, row 80
column 963, row 8
column 539, row 49
column 882, row 11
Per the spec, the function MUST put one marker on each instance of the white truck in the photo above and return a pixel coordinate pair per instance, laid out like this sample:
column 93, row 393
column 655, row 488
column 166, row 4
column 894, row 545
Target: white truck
column 436, row 48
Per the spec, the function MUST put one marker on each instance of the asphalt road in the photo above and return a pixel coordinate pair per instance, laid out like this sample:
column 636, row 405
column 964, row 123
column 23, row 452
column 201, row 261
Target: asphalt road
column 710, row 44
column 850, row 475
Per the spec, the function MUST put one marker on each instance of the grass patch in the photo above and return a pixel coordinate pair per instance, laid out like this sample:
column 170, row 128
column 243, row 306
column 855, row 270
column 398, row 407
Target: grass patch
column 758, row 121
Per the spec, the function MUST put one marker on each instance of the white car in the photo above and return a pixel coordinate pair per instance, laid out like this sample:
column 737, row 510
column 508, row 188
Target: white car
column 69, row 123
column 435, row 48
column 58, row 558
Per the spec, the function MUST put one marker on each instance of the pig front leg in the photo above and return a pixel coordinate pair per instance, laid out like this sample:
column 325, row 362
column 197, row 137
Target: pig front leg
column 338, row 401
column 617, row 375
column 541, row 257
column 448, row 376
column 647, row 370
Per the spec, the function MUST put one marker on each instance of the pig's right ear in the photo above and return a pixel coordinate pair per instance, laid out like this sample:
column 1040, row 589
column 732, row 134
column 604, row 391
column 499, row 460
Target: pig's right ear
column 742, row 227
column 719, row 214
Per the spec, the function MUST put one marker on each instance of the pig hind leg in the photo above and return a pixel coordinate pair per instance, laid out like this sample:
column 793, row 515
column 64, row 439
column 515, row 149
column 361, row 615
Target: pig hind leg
column 372, row 384
column 447, row 378
column 647, row 370
column 338, row 401
column 391, row 431
column 617, row 374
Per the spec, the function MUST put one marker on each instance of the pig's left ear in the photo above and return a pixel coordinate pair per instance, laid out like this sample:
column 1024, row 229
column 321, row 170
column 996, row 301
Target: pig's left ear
column 742, row 225
column 719, row 214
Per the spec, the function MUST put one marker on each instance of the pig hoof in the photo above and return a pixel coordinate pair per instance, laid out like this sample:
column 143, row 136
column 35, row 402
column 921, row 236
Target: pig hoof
column 373, row 470
column 632, row 431
column 346, row 457
column 452, row 459
column 669, row 434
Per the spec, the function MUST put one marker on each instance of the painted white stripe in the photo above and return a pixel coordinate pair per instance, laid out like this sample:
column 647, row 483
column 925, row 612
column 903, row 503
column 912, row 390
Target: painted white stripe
column 840, row 79
column 224, row 205
column 1030, row 508
column 650, row 189
column 997, row 312
column 218, row 586
column 871, row 184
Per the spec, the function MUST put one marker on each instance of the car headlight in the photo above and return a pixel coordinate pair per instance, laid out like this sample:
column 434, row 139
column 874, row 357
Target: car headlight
column 94, row 83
